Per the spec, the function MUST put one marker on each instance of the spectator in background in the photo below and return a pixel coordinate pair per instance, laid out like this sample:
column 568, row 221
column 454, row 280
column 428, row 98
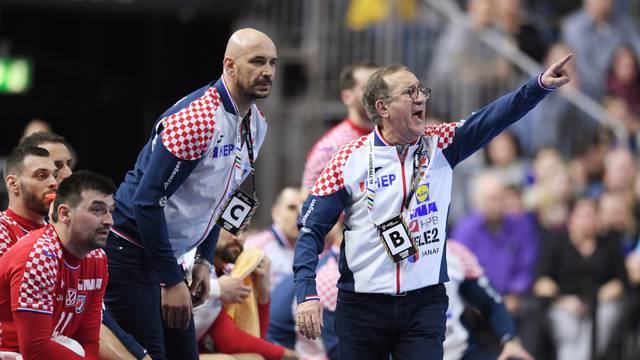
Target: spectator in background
column 616, row 221
column 513, row 19
column 549, row 196
column 631, row 122
column 34, row 126
column 506, row 245
column 581, row 274
column 502, row 157
column 594, row 33
column 465, row 66
column 355, row 125
column 278, row 243
column 623, row 78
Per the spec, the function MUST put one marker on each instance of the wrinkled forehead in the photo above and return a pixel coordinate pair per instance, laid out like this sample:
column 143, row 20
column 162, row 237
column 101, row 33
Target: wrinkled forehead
column 401, row 80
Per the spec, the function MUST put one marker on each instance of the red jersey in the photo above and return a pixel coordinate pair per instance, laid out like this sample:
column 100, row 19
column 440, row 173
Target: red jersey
column 12, row 228
column 45, row 291
column 328, row 144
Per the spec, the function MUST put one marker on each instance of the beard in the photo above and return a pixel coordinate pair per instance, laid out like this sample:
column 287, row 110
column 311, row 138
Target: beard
column 33, row 202
column 229, row 253
column 249, row 91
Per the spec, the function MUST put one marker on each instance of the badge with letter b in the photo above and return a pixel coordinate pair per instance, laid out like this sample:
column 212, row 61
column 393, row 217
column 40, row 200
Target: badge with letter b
column 396, row 239
column 237, row 213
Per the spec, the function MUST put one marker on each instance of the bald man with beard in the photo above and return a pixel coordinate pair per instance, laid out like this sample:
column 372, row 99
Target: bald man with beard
column 200, row 151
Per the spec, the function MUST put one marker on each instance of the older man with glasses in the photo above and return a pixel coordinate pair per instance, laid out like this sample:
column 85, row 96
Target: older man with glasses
column 394, row 186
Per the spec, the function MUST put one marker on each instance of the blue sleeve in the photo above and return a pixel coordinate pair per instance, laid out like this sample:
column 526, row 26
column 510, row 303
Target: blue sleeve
column 162, row 176
column 479, row 294
column 486, row 123
column 319, row 215
column 207, row 248
column 126, row 339
column 329, row 335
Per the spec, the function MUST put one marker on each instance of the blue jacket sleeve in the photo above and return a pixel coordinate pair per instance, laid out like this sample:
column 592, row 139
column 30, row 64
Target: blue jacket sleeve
column 479, row 294
column 486, row 123
column 163, row 175
column 207, row 248
column 319, row 215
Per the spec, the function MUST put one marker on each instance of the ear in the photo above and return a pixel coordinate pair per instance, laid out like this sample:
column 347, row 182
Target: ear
column 347, row 97
column 382, row 108
column 12, row 184
column 64, row 214
column 228, row 66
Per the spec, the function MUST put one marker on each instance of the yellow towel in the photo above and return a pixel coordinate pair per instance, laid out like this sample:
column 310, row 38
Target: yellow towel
column 245, row 314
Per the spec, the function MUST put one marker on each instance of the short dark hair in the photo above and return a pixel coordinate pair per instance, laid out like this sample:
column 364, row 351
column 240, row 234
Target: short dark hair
column 347, row 80
column 14, row 162
column 43, row 137
column 377, row 88
column 70, row 189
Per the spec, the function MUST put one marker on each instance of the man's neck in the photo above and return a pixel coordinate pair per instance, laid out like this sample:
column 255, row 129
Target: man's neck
column 393, row 138
column 21, row 210
column 357, row 119
column 64, row 233
column 240, row 100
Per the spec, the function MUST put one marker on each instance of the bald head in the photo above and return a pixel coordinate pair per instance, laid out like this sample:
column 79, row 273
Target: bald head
column 246, row 39
column 249, row 66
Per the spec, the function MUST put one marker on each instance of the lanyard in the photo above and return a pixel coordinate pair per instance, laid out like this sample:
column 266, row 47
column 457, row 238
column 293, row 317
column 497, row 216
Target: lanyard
column 244, row 136
column 371, row 174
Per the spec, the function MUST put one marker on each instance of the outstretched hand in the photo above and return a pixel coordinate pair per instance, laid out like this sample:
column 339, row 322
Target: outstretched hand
column 557, row 75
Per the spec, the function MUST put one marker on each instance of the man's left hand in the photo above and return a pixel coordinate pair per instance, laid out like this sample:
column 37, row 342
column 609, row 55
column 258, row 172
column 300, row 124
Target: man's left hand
column 557, row 75
column 200, row 285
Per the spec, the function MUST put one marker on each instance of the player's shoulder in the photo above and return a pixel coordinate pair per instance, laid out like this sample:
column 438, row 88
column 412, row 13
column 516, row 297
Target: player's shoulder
column 188, row 132
column 444, row 132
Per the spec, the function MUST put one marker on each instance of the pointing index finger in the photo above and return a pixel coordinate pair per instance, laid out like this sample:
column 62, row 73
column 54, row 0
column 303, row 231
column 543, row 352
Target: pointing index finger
column 560, row 64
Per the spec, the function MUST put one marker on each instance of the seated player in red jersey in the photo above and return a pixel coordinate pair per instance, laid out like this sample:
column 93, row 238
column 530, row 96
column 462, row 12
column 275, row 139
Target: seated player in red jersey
column 52, row 281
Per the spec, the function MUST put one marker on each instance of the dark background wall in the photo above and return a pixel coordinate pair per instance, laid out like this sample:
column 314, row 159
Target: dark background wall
column 103, row 70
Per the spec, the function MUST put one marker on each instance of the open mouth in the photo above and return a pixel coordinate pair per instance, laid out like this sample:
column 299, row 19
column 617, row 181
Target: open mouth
column 418, row 115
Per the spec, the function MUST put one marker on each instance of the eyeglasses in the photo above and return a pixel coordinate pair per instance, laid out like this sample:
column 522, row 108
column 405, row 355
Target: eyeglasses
column 414, row 92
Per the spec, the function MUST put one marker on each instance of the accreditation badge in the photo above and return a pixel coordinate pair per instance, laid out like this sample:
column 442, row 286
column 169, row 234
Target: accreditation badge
column 237, row 213
column 396, row 239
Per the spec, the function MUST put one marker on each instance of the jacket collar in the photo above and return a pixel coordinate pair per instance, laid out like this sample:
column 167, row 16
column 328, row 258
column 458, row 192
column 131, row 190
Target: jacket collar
column 227, row 101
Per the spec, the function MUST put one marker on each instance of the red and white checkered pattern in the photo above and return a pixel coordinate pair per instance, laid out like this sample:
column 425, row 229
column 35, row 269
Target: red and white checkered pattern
column 188, row 132
column 97, row 254
column 472, row 269
column 331, row 180
column 328, row 144
column 7, row 238
column 326, row 283
column 444, row 133
column 41, row 272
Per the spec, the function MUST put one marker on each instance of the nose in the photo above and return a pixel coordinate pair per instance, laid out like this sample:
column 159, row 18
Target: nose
column 268, row 70
column 108, row 219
